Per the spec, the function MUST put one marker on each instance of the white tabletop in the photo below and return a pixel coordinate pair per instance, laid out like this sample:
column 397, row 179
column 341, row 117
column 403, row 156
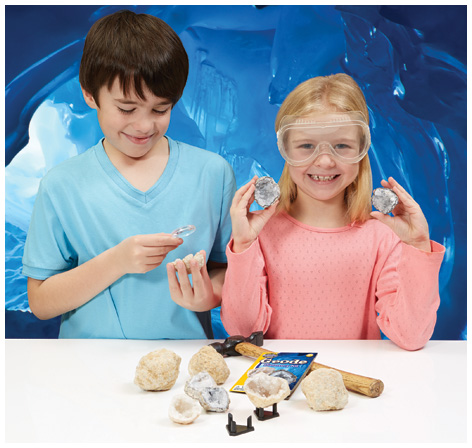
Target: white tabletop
column 83, row 391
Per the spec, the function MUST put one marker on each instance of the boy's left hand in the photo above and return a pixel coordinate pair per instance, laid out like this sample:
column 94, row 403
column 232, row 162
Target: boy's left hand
column 408, row 220
column 200, row 297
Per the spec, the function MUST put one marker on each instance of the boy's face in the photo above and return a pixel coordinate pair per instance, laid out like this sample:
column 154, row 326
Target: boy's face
column 131, row 125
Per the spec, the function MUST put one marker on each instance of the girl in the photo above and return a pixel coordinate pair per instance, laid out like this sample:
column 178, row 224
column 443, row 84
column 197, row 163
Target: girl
column 320, row 264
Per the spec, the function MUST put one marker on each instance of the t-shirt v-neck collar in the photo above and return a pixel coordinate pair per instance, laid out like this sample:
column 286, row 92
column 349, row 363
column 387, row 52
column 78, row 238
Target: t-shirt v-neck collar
column 125, row 186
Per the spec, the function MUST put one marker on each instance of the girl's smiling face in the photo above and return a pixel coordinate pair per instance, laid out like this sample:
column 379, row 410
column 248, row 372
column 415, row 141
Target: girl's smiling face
column 325, row 179
column 132, row 126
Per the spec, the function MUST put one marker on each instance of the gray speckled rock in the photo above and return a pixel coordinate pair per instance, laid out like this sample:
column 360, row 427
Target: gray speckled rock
column 267, row 191
column 384, row 200
column 324, row 390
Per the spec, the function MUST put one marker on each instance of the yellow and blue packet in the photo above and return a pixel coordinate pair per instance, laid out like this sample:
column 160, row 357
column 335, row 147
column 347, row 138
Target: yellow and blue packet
column 291, row 366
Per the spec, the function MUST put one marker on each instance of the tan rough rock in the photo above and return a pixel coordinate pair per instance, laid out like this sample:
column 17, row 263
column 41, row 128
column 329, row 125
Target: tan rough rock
column 324, row 390
column 184, row 409
column 158, row 370
column 207, row 359
column 264, row 390
column 199, row 257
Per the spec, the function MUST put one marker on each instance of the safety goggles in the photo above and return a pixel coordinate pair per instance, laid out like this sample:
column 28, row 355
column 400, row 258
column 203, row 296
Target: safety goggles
column 343, row 135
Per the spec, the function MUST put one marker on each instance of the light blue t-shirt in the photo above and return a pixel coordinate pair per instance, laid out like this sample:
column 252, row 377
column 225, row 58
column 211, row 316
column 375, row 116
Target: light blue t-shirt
column 85, row 206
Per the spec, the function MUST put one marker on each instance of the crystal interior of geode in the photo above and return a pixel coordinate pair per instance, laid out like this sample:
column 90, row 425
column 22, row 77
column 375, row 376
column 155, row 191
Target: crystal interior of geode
column 264, row 390
column 215, row 399
column 184, row 409
column 384, row 200
column 195, row 385
column 267, row 191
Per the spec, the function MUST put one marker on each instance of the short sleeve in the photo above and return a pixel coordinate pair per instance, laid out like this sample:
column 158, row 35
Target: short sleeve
column 47, row 249
column 223, row 235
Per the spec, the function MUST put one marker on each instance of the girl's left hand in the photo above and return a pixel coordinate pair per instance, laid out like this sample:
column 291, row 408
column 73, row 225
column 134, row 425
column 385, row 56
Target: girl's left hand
column 200, row 297
column 408, row 220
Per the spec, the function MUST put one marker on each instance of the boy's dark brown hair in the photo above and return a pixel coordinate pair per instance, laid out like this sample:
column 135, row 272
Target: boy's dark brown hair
column 139, row 49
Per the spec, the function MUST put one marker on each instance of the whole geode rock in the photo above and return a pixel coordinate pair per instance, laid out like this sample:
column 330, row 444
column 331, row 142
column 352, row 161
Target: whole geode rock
column 158, row 370
column 384, row 200
column 264, row 390
column 267, row 191
column 207, row 359
column 324, row 390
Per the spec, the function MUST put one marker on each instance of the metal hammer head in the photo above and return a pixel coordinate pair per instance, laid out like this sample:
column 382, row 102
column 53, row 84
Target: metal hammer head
column 228, row 347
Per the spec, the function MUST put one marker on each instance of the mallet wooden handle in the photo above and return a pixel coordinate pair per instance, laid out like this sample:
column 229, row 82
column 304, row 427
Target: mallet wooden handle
column 355, row 383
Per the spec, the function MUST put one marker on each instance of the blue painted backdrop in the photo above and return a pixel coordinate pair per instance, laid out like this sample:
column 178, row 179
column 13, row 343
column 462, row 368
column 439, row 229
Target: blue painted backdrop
column 410, row 61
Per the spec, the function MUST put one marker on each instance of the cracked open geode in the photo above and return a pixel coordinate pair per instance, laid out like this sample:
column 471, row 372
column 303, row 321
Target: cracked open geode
column 202, row 387
column 384, row 200
column 267, row 191
column 184, row 409
column 264, row 390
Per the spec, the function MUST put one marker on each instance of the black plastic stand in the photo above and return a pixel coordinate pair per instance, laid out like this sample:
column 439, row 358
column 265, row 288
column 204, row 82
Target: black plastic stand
column 266, row 415
column 236, row 430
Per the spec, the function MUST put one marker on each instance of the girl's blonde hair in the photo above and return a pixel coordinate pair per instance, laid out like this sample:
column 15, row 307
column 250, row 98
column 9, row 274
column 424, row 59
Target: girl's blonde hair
column 325, row 93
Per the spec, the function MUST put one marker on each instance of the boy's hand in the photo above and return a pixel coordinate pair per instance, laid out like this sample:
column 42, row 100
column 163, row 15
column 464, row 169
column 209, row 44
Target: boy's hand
column 246, row 225
column 408, row 221
column 200, row 297
column 139, row 254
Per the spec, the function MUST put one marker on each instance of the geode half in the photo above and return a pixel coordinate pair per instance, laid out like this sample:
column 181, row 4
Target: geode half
column 215, row 399
column 267, row 191
column 384, row 200
column 195, row 385
column 184, row 409
column 264, row 390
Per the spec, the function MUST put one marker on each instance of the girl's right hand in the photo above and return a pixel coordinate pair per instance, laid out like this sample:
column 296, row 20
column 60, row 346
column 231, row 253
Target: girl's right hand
column 247, row 225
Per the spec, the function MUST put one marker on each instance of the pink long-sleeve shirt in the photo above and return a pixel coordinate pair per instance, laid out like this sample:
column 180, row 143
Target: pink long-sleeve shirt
column 300, row 282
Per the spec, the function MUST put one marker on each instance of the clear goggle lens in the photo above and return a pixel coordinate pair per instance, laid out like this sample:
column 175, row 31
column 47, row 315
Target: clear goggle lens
column 345, row 136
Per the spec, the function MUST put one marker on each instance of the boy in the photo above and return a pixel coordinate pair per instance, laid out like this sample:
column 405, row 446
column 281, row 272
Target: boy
column 92, row 253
